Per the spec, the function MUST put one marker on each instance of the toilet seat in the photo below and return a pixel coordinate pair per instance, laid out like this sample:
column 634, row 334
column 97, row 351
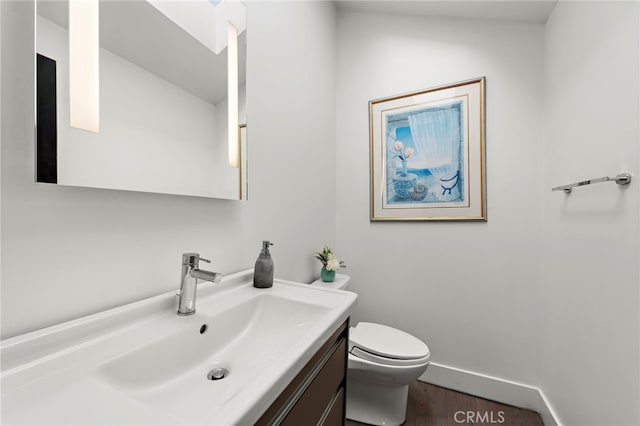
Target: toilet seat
column 386, row 345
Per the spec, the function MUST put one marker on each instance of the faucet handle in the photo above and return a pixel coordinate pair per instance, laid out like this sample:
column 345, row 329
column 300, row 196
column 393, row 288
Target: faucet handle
column 192, row 259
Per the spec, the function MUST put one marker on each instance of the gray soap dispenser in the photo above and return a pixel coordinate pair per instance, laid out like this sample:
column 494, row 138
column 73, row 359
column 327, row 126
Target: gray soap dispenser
column 263, row 271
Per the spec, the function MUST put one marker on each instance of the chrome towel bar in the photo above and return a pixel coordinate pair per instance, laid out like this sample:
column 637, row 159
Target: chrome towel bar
column 621, row 179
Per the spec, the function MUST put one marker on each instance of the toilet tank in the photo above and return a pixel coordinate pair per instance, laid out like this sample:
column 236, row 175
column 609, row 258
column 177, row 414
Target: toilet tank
column 341, row 282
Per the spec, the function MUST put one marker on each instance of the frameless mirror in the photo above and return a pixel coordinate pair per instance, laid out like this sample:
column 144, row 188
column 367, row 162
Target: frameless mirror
column 163, row 105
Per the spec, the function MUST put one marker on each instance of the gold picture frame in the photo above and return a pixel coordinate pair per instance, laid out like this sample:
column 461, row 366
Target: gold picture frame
column 428, row 154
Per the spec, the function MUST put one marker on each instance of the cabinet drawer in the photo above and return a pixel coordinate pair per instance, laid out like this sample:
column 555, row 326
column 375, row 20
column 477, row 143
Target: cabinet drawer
column 335, row 412
column 312, row 396
column 320, row 394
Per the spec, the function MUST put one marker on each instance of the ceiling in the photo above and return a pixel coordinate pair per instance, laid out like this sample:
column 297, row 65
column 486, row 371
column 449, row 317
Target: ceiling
column 536, row 11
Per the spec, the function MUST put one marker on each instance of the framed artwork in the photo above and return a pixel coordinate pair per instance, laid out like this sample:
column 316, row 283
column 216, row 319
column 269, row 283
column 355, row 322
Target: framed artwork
column 428, row 154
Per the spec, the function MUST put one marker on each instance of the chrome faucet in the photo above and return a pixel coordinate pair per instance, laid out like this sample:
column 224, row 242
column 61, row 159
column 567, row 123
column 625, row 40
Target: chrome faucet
column 188, row 282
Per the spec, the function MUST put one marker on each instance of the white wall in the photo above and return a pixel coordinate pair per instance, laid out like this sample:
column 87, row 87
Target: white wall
column 68, row 252
column 470, row 290
column 546, row 292
column 590, row 278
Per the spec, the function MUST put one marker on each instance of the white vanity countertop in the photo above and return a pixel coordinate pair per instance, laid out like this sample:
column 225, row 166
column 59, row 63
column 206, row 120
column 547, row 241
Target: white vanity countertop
column 142, row 364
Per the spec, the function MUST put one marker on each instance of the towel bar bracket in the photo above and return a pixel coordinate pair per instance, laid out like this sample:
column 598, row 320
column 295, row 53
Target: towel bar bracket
column 623, row 179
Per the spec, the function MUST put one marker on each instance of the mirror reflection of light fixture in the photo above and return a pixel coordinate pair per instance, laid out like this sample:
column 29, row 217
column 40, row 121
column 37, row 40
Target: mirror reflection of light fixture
column 232, row 90
column 84, row 83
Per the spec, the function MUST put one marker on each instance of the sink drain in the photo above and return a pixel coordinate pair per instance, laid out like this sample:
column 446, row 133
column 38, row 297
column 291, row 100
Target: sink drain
column 217, row 374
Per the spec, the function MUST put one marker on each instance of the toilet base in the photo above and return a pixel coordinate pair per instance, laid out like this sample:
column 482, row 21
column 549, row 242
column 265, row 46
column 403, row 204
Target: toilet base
column 376, row 403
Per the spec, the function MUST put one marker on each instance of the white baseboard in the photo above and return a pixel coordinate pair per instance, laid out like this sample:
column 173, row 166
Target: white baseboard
column 492, row 388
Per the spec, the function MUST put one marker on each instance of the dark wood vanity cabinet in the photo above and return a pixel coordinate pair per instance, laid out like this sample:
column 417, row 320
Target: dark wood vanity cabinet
column 316, row 396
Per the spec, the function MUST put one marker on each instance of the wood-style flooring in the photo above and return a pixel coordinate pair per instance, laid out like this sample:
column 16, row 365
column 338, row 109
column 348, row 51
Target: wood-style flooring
column 430, row 405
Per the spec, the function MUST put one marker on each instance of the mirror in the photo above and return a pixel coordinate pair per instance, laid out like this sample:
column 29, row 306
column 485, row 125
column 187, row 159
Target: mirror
column 163, row 104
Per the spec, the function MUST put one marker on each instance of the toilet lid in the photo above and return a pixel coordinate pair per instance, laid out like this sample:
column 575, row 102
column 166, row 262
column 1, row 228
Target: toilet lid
column 386, row 342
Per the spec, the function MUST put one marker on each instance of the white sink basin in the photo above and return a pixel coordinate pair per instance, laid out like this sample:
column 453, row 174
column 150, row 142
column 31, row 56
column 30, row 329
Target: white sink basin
column 245, row 339
column 143, row 364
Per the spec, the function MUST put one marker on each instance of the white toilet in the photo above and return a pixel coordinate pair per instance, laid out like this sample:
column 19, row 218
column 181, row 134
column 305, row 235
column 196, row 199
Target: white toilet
column 383, row 361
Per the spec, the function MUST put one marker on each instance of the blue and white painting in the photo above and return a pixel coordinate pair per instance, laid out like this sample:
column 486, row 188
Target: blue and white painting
column 425, row 155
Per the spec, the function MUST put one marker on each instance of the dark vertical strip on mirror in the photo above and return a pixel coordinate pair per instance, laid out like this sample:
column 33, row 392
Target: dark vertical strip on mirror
column 46, row 119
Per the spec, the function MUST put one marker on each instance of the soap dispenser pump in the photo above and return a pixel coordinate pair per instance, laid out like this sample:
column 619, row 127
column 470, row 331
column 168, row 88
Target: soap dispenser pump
column 263, row 271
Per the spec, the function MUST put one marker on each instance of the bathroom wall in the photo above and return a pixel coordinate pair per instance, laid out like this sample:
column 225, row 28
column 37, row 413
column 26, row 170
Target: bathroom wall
column 68, row 252
column 590, row 315
column 470, row 290
column 546, row 292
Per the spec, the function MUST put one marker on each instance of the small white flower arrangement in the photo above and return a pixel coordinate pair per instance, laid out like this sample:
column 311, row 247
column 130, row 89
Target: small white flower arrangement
column 329, row 260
